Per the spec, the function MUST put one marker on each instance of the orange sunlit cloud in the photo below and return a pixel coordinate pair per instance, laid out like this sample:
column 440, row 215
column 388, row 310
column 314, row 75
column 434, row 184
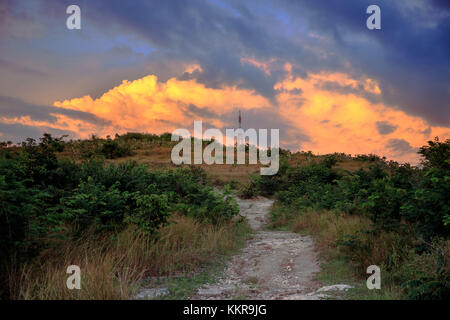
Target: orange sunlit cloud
column 152, row 106
column 347, row 122
column 334, row 120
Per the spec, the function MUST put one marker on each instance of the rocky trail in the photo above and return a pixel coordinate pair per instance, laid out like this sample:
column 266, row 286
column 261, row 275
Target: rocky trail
column 272, row 265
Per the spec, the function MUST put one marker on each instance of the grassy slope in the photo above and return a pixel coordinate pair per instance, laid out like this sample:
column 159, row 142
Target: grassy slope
column 186, row 255
column 327, row 228
column 334, row 269
column 115, row 268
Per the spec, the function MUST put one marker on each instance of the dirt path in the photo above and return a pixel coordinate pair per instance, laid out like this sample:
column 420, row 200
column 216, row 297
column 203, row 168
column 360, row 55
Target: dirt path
column 272, row 265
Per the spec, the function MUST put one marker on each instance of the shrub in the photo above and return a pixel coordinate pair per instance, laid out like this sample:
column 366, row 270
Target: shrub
column 152, row 212
column 112, row 149
column 268, row 185
column 94, row 205
column 330, row 160
column 408, row 206
column 248, row 190
column 436, row 154
column 46, row 201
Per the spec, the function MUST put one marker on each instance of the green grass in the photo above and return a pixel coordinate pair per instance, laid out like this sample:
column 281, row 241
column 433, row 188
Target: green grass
column 183, row 285
column 338, row 270
column 181, row 288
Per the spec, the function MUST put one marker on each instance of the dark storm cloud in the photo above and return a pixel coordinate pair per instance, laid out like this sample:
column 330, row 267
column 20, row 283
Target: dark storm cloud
column 200, row 113
column 12, row 108
column 18, row 132
column 215, row 36
column 412, row 69
column 427, row 132
column 359, row 91
column 385, row 127
column 409, row 56
column 15, row 67
column 400, row 146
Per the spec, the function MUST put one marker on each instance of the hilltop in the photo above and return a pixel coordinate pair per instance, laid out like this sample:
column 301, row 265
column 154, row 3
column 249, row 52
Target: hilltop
column 155, row 151
column 120, row 209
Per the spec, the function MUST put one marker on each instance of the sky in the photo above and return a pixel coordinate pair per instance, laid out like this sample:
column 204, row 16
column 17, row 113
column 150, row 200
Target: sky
column 311, row 69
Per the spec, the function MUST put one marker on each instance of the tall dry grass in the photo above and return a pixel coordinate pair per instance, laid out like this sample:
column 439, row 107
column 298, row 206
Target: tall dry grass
column 341, row 233
column 328, row 227
column 350, row 238
column 114, row 267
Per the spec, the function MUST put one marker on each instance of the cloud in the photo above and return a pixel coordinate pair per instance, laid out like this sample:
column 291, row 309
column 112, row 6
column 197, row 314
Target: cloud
column 15, row 108
column 17, row 132
column 385, row 127
column 20, row 120
column 336, row 120
column 400, row 147
column 408, row 56
column 149, row 105
column 17, row 22
column 263, row 65
column 15, row 67
column 310, row 68
column 309, row 111
column 237, row 44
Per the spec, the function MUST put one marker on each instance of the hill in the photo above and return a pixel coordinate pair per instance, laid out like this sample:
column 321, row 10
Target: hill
column 120, row 209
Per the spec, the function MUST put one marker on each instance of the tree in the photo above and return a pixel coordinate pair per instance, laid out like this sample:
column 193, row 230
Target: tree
column 436, row 154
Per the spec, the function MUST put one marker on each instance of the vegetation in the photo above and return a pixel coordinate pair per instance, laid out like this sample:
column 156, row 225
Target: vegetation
column 121, row 146
column 120, row 210
column 51, row 204
column 115, row 267
column 391, row 215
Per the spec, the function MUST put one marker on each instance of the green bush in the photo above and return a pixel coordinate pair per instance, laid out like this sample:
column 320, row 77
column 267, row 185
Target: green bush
column 45, row 199
column 429, row 207
column 112, row 149
column 268, row 185
column 248, row 190
column 402, row 201
column 152, row 211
